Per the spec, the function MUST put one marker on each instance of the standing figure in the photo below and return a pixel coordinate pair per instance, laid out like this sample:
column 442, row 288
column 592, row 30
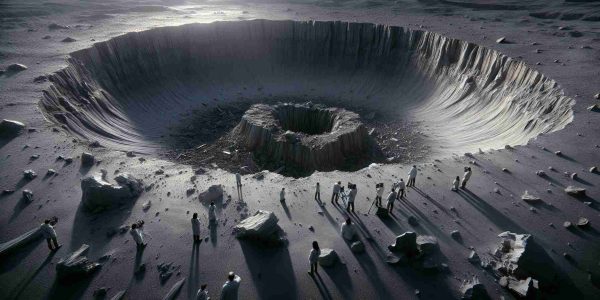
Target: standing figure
column 212, row 216
column 202, row 293
column 336, row 192
column 238, row 181
column 401, row 188
column 390, row 200
column 231, row 287
column 138, row 235
column 282, row 195
column 466, row 177
column 318, row 192
column 313, row 258
column 351, row 196
column 455, row 183
column 50, row 234
column 196, row 227
column 379, row 189
column 412, row 176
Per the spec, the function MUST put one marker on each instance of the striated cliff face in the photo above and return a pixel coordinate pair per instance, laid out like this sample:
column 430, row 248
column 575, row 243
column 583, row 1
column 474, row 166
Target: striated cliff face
column 126, row 92
column 305, row 136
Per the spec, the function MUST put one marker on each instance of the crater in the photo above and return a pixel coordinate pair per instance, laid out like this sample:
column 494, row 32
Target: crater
column 188, row 91
column 304, row 137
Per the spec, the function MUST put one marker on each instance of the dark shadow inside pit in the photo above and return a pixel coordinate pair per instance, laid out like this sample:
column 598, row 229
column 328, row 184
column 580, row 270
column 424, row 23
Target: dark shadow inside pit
column 305, row 120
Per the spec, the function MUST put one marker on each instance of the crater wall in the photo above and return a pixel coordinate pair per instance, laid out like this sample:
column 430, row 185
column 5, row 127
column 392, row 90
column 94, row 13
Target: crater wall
column 129, row 91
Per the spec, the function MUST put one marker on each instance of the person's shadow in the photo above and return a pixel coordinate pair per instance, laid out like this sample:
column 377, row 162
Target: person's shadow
column 194, row 271
column 271, row 270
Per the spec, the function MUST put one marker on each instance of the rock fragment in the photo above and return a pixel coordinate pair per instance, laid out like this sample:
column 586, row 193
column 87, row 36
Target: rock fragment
column 529, row 197
column 16, row 68
column 213, row 193
column 76, row 265
column 427, row 244
column 87, row 159
column 29, row 174
column 262, row 226
column 575, row 191
column 98, row 194
column 583, row 222
column 473, row 290
column 328, row 257
column 357, row 247
column 10, row 128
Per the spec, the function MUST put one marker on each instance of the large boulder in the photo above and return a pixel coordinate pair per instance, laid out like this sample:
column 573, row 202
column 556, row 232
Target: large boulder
column 427, row 244
column 328, row 257
column 10, row 128
column 512, row 253
column 76, row 265
column 405, row 243
column 261, row 226
column 213, row 193
column 98, row 194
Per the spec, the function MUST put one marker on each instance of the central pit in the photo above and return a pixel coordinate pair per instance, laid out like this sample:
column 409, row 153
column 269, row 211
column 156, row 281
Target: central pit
column 306, row 136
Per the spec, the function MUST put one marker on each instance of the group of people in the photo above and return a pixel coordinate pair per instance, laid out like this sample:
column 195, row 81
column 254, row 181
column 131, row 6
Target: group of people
column 348, row 232
column 465, row 179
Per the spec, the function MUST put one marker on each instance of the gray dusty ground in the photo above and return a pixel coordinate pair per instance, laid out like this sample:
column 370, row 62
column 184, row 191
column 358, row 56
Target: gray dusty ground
column 480, row 214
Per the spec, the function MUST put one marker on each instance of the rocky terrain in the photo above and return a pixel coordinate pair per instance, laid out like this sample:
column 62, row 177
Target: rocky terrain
column 94, row 94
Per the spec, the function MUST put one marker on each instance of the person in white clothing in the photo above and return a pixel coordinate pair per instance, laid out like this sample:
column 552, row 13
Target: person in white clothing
column 282, row 195
column 390, row 200
column 466, row 177
column 196, row 227
column 212, row 217
column 202, row 293
column 336, row 192
column 351, row 196
column 455, row 183
column 50, row 234
column 412, row 176
column 401, row 188
column 313, row 258
column 137, row 234
column 348, row 230
column 231, row 287
column 379, row 189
